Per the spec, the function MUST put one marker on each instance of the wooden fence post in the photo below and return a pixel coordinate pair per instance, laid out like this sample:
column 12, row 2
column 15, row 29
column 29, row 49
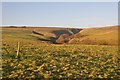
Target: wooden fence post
column 18, row 49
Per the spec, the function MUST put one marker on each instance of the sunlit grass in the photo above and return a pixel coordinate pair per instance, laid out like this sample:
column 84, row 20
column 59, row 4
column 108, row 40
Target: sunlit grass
column 56, row 61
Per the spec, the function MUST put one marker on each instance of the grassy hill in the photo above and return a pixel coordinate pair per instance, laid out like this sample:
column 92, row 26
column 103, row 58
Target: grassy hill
column 97, row 36
column 40, row 34
column 100, row 36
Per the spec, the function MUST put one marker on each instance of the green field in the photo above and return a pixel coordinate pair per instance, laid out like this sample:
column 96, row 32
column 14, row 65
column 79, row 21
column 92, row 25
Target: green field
column 41, row 59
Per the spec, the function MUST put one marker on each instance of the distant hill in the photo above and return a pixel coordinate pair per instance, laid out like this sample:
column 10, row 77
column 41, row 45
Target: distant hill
column 100, row 36
column 43, row 34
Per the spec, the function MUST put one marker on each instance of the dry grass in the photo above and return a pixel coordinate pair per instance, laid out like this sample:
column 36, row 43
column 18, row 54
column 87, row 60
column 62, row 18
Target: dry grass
column 102, row 36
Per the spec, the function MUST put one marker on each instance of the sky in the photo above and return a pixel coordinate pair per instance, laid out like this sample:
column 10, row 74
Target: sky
column 59, row 0
column 61, row 14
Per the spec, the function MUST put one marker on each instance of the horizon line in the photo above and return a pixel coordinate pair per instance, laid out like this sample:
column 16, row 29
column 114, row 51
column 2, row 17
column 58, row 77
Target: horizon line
column 55, row 26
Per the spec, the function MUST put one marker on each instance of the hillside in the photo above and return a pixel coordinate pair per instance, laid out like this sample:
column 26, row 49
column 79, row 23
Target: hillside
column 102, row 36
column 97, row 36
column 38, row 34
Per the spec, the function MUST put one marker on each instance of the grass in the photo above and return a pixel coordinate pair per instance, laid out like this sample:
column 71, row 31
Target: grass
column 99, row 36
column 41, row 60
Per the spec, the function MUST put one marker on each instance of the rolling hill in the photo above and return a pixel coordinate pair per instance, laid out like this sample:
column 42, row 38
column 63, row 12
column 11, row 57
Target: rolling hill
column 100, row 36
column 97, row 36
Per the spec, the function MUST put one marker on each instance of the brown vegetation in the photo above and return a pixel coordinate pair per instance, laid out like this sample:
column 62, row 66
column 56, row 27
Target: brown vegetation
column 64, row 38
